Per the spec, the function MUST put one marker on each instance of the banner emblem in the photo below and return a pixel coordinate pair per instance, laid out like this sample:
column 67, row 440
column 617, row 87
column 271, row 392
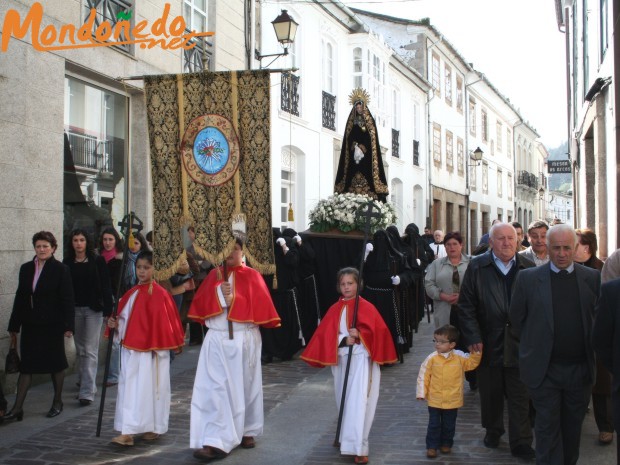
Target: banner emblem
column 210, row 150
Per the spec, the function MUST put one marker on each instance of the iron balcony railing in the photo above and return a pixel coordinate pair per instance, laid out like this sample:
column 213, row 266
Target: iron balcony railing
column 329, row 111
column 195, row 59
column 525, row 178
column 395, row 143
column 108, row 10
column 289, row 97
column 91, row 152
column 416, row 152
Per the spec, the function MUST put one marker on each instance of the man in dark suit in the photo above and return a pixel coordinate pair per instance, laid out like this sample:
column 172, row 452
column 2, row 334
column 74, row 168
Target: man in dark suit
column 484, row 301
column 551, row 313
column 606, row 342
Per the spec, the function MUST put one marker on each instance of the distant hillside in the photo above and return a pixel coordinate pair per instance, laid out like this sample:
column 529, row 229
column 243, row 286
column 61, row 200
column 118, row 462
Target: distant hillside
column 556, row 181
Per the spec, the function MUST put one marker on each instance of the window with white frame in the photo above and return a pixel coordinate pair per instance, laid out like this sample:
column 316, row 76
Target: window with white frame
column 287, row 186
column 460, row 159
column 500, row 179
column 195, row 15
column 509, row 186
column 437, row 143
column 509, row 142
column 357, row 67
column 499, row 135
column 436, row 74
column 459, row 94
column 449, row 151
column 484, row 125
column 448, row 84
column 328, row 67
column 472, row 116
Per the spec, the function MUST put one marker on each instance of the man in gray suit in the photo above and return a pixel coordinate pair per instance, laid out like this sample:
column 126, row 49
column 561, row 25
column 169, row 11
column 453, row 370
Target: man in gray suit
column 551, row 313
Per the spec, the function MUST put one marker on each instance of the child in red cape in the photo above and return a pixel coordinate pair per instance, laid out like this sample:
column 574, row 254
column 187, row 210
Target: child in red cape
column 148, row 328
column 372, row 346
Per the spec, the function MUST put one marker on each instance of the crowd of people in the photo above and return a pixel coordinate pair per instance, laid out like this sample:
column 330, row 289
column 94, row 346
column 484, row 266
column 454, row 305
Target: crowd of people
column 516, row 320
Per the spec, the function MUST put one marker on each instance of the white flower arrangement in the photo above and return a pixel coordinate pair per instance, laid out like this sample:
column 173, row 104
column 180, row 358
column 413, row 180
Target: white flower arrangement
column 344, row 212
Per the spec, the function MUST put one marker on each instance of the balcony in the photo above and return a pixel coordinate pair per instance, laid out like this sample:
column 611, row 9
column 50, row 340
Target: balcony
column 289, row 97
column 527, row 179
column 91, row 152
column 416, row 152
column 199, row 58
column 329, row 111
column 396, row 143
column 108, row 10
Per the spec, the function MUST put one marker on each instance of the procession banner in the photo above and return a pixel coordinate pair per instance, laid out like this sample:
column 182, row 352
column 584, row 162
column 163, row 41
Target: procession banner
column 209, row 137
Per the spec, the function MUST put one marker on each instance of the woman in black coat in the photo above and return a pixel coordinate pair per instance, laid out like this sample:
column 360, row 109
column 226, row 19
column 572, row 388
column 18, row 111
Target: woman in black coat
column 43, row 312
column 93, row 302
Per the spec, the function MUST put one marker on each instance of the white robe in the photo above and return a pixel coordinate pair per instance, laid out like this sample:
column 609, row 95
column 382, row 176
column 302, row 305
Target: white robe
column 143, row 399
column 227, row 401
column 362, row 394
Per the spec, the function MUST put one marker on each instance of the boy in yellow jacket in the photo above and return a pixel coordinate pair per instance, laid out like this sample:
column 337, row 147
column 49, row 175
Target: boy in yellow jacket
column 440, row 382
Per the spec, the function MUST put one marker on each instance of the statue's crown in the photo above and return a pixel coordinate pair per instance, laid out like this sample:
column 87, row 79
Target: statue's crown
column 359, row 95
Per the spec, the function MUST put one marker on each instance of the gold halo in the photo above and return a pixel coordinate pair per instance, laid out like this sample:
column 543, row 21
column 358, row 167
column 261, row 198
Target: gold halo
column 359, row 94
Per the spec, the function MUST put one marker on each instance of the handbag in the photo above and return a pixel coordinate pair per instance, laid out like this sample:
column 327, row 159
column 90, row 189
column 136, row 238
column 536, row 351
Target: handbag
column 12, row 361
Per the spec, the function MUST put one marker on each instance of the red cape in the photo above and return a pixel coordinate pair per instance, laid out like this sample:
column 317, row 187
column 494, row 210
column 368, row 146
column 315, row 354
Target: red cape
column 374, row 334
column 251, row 300
column 154, row 323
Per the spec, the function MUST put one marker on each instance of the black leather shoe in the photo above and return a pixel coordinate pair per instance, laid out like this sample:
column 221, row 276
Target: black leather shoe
column 54, row 411
column 11, row 416
column 85, row 402
column 491, row 440
column 524, row 452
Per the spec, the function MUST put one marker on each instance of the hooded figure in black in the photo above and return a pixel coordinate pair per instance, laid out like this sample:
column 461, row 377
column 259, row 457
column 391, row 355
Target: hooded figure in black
column 409, row 276
column 309, row 308
column 360, row 169
column 378, row 288
column 423, row 255
column 285, row 341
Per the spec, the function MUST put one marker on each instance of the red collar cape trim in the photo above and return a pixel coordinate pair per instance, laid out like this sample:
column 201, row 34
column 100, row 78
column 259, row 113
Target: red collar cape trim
column 251, row 299
column 322, row 350
column 154, row 323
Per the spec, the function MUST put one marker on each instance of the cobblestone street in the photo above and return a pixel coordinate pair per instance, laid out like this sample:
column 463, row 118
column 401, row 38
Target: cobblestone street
column 300, row 423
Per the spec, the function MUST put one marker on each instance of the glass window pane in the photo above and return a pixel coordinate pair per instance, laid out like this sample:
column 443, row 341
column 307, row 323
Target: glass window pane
column 286, row 175
column 95, row 157
column 200, row 4
column 284, row 214
column 283, row 195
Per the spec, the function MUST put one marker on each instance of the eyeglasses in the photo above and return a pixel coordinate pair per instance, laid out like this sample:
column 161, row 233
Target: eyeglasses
column 435, row 341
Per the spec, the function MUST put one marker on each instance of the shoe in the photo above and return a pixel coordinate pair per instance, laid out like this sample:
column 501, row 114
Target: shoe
column 111, row 383
column 491, row 440
column 445, row 449
column 54, row 411
column 247, row 442
column 209, row 453
column 361, row 459
column 524, row 452
column 605, row 438
column 473, row 385
column 431, row 453
column 123, row 440
column 194, row 343
column 265, row 359
column 85, row 402
column 19, row 416
column 150, row 436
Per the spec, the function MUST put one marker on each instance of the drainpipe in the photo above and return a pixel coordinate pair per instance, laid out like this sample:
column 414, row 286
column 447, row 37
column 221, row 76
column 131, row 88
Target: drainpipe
column 429, row 139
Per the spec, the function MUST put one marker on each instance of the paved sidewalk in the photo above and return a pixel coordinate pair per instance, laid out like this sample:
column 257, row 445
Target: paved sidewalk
column 300, row 423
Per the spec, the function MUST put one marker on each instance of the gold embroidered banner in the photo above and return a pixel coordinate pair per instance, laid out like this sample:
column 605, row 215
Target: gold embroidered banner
column 237, row 105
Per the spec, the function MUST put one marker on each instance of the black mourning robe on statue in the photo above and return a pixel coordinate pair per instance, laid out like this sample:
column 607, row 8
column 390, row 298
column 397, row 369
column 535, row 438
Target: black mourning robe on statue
column 285, row 341
column 367, row 176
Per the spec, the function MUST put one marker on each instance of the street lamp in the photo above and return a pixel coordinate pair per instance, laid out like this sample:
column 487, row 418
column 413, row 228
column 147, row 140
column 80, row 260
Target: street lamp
column 476, row 157
column 285, row 28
